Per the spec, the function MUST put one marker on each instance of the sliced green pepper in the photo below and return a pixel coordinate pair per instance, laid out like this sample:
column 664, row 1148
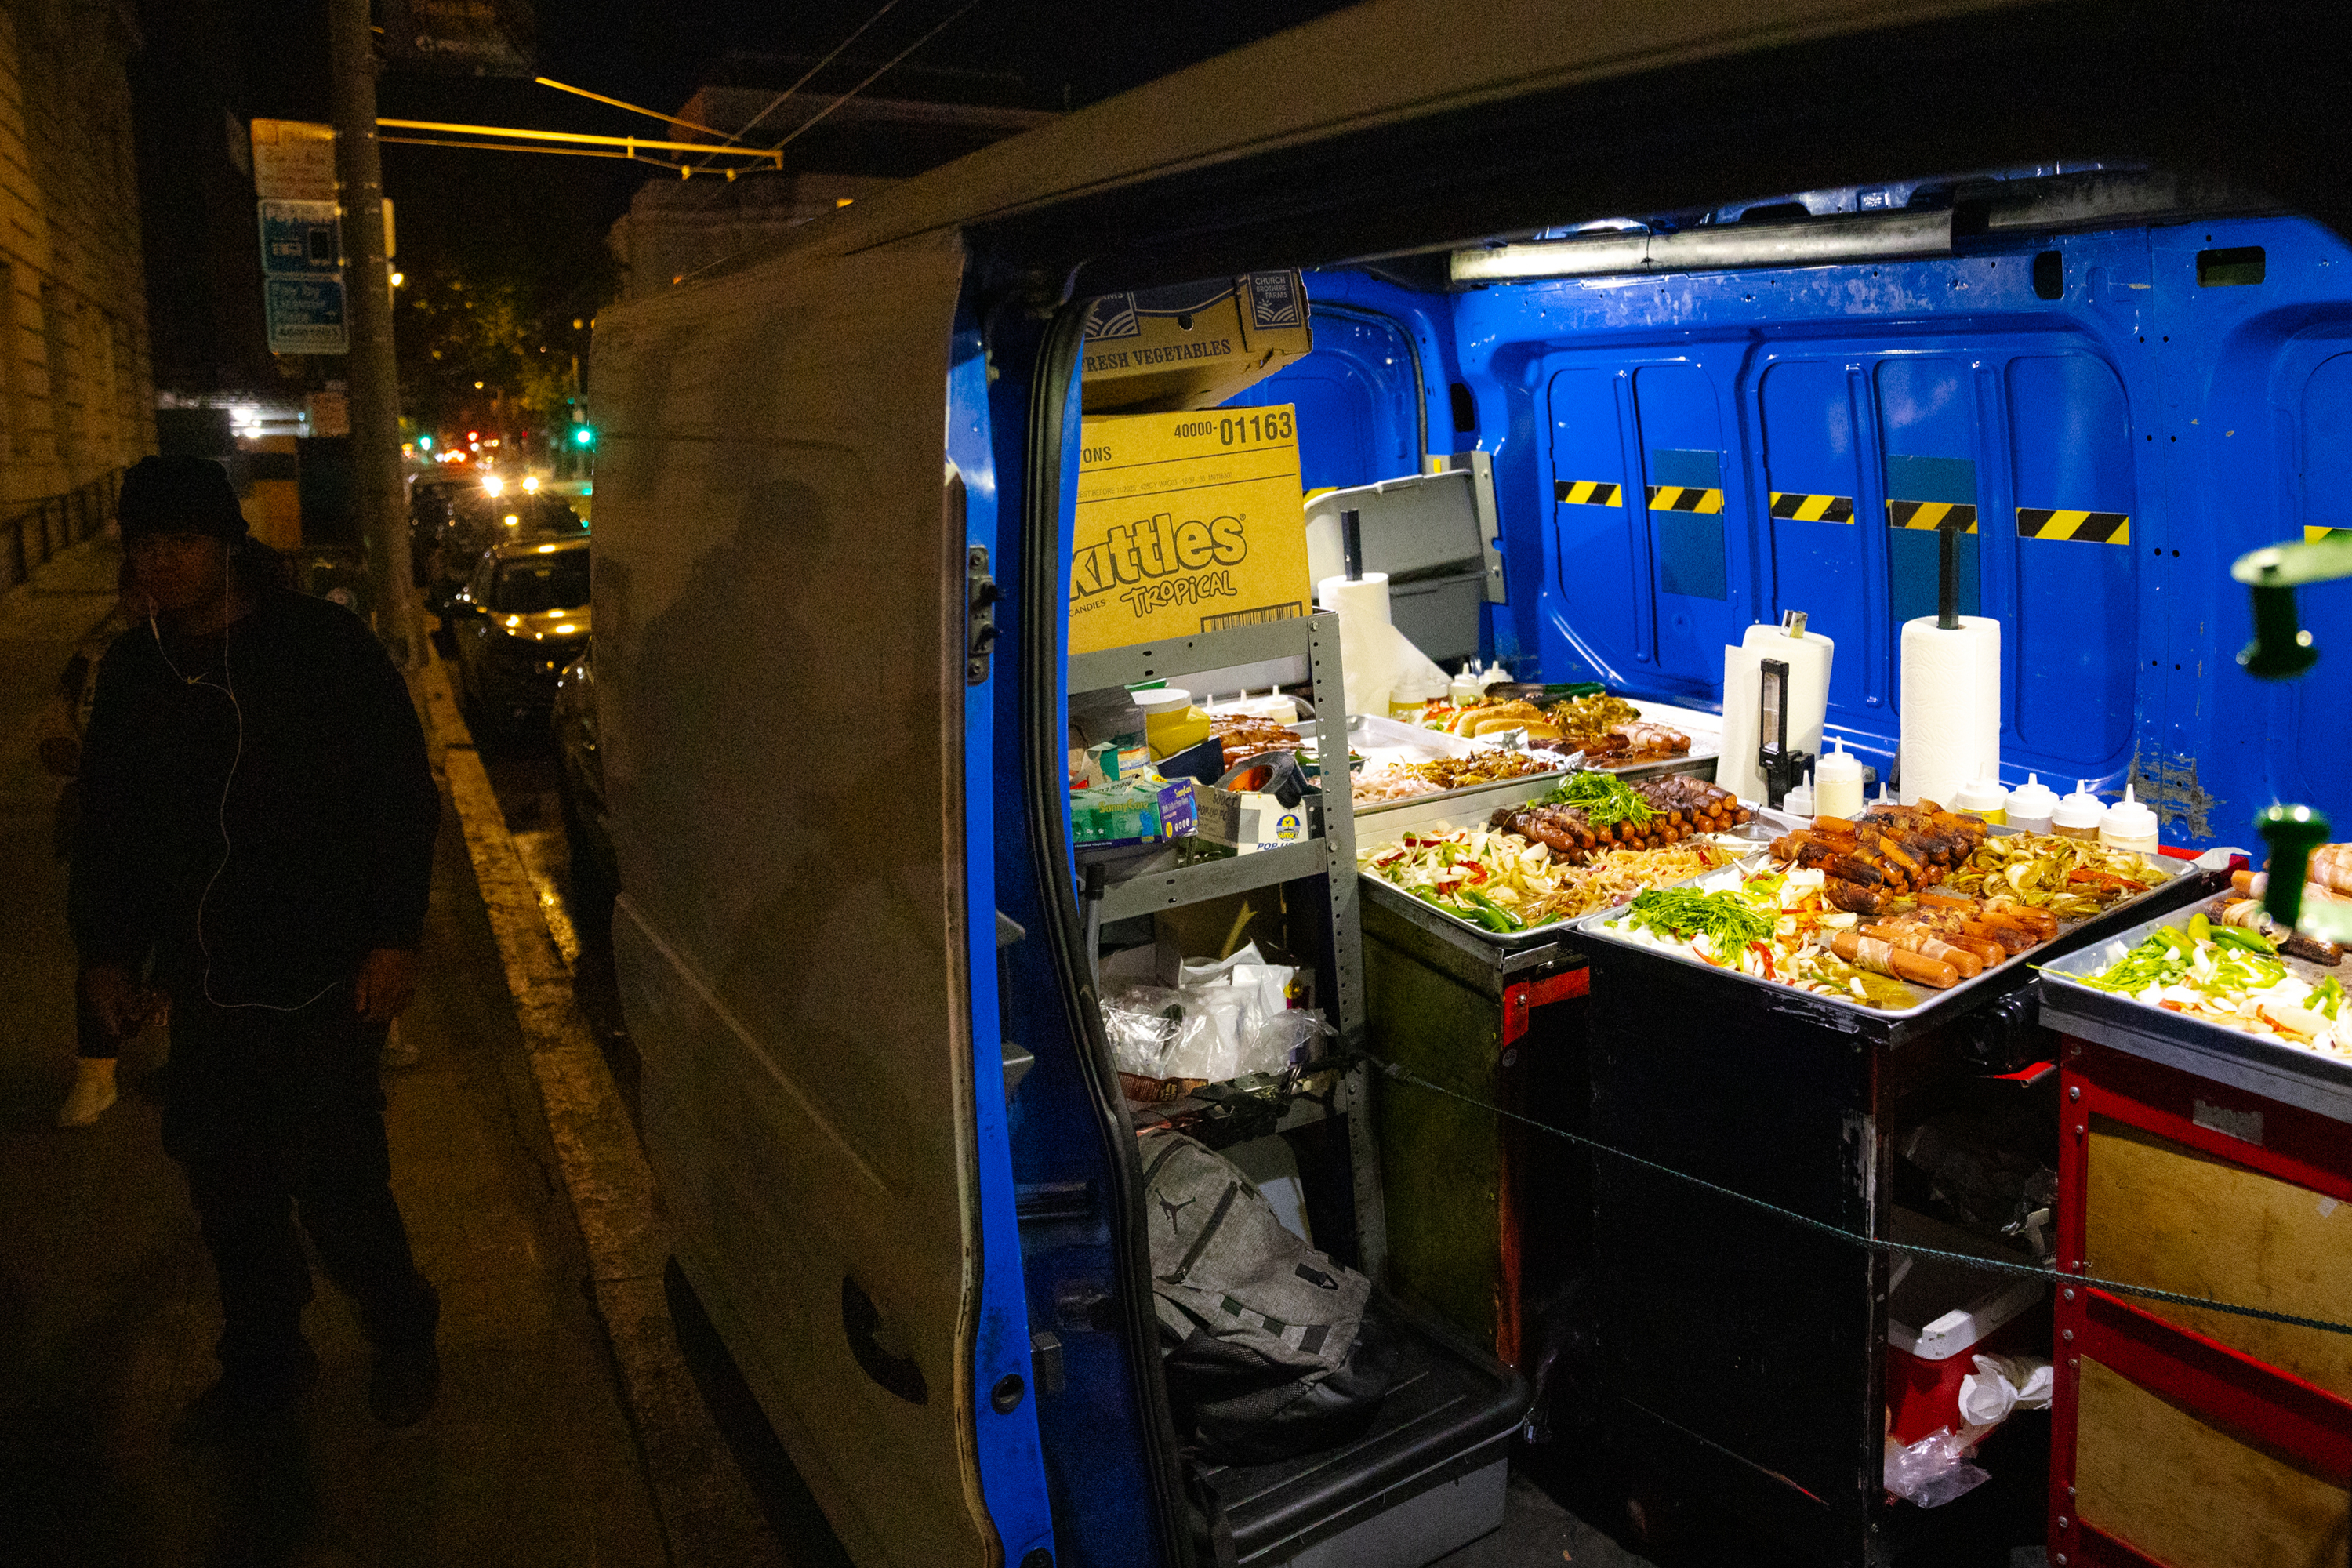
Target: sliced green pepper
column 2250, row 941
column 2199, row 928
column 1489, row 907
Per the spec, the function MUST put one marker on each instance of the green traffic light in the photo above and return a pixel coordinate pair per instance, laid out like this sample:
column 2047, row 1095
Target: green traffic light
column 583, row 437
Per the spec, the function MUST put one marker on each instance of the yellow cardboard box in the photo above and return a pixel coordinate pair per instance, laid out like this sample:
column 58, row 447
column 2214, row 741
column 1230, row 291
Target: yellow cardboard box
column 1187, row 522
column 1193, row 345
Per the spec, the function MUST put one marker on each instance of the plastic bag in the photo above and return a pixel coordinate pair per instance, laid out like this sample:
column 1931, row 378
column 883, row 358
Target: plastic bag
column 1226, row 1019
column 2001, row 1384
column 1932, row 1471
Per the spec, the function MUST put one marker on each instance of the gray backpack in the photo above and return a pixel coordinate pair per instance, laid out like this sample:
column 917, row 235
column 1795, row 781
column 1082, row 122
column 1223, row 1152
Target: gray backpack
column 1271, row 1348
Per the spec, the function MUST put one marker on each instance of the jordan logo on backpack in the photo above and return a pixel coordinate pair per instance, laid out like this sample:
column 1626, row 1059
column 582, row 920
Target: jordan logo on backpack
column 1170, row 1209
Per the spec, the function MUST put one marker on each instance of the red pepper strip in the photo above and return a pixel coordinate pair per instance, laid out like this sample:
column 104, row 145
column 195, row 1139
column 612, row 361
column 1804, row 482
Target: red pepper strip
column 1478, row 872
column 2172, row 1006
column 1765, row 954
column 2084, row 874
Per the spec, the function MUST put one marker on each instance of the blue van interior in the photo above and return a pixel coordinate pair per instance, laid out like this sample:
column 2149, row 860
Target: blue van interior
column 2115, row 408
column 2122, row 412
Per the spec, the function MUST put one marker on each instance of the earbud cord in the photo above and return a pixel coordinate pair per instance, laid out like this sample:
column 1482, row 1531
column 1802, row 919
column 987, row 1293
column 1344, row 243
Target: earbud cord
column 227, row 688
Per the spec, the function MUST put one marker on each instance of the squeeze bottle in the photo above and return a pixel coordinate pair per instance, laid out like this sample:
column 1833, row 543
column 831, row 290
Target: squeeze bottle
column 2128, row 824
column 1984, row 798
column 1837, row 783
column 2080, row 814
column 2030, row 805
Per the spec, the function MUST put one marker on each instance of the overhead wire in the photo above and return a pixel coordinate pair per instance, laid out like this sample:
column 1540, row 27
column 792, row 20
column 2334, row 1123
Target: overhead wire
column 778, row 101
column 810, row 122
column 777, row 150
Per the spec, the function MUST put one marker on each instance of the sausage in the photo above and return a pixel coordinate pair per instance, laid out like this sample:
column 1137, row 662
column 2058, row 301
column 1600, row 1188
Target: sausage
column 2026, row 915
column 1928, row 946
column 2013, row 939
column 1883, row 958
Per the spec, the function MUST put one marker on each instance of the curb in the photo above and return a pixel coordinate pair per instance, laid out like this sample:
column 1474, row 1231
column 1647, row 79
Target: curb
column 707, row 1513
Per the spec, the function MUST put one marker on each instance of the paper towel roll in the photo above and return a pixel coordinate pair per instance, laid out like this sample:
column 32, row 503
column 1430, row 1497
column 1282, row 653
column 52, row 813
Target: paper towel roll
column 1951, row 706
column 1808, row 658
column 1375, row 658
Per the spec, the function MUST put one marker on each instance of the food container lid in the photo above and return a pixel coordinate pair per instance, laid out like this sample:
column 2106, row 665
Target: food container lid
column 1165, row 699
column 2032, row 798
column 2081, row 809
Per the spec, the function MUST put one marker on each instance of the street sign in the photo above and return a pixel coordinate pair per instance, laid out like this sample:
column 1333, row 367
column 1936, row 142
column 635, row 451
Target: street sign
column 302, row 237
column 293, row 160
column 469, row 38
column 305, row 315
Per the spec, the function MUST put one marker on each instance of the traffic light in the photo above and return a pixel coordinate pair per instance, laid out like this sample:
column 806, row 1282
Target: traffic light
column 583, row 436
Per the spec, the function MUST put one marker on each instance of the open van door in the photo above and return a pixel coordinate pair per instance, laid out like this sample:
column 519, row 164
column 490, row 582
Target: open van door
column 782, row 686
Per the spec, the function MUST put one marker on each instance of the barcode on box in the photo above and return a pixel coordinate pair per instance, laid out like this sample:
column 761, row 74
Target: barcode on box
column 1258, row 616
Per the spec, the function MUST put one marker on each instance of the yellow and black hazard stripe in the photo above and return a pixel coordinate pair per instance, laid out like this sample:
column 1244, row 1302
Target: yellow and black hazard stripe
column 1793, row 506
column 1685, row 498
column 2313, row 535
column 1586, row 492
column 2089, row 527
column 1954, row 517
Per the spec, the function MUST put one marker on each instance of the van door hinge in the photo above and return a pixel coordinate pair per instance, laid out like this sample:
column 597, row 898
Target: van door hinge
column 980, row 614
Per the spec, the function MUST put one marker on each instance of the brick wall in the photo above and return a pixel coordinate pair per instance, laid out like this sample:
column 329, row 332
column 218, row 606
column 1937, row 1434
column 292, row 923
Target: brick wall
column 75, row 389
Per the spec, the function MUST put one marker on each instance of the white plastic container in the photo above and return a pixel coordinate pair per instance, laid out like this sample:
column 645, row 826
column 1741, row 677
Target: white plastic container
column 1984, row 798
column 2080, row 814
column 2128, row 824
column 2031, row 804
column 1837, row 783
column 1463, row 688
column 1799, row 801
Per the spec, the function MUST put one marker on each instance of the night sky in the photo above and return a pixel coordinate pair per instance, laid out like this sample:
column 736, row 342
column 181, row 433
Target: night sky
column 473, row 211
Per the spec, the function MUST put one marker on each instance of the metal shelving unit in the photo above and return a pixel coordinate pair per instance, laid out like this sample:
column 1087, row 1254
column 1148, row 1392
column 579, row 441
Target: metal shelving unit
column 1327, row 861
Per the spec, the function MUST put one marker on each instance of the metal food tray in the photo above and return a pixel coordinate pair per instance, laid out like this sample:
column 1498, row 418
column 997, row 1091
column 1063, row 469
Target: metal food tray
column 2260, row 1064
column 1381, row 890
column 1592, row 926
column 1498, row 793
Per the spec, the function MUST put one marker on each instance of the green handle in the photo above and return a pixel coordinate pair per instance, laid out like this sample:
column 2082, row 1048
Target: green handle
column 2293, row 832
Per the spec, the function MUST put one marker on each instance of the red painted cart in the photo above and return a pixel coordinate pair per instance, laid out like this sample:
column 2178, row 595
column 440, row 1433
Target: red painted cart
column 2200, row 1160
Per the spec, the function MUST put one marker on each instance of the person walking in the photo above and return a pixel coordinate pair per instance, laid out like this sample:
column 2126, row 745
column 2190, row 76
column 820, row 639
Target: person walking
column 258, row 817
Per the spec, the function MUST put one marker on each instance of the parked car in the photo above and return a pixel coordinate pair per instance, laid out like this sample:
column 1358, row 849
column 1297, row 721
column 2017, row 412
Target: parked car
column 587, row 821
column 478, row 519
column 518, row 621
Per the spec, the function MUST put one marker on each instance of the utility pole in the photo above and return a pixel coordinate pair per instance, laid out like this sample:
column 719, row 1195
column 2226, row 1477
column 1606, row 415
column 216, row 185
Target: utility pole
column 373, row 373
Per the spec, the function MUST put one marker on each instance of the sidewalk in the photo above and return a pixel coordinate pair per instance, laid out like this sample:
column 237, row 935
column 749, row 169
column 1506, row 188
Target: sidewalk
column 107, row 1310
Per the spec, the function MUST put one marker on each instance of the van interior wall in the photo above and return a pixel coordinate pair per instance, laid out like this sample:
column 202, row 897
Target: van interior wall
column 1677, row 457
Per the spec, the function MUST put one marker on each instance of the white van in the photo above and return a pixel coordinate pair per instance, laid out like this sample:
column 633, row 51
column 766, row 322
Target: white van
column 836, row 505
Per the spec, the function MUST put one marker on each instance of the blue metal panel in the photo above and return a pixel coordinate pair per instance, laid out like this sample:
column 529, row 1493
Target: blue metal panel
column 1682, row 441
column 1600, row 543
column 2069, row 679
column 1821, row 555
column 1358, row 395
column 1012, row 1462
column 1927, row 420
column 2322, row 731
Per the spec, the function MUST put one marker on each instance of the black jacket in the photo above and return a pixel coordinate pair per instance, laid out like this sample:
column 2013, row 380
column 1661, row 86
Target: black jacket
column 259, row 846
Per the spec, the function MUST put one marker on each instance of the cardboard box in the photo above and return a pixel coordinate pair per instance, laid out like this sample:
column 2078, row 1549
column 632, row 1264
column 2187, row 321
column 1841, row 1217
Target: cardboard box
column 1131, row 811
column 1248, row 820
column 1186, row 522
column 1193, row 345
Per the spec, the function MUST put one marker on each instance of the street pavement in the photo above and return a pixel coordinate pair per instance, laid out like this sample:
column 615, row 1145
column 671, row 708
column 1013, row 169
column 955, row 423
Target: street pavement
column 107, row 1308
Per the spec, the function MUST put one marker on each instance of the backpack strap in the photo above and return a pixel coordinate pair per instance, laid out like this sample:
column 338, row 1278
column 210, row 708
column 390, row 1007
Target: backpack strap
column 1209, row 1516
column 1208, row 1231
